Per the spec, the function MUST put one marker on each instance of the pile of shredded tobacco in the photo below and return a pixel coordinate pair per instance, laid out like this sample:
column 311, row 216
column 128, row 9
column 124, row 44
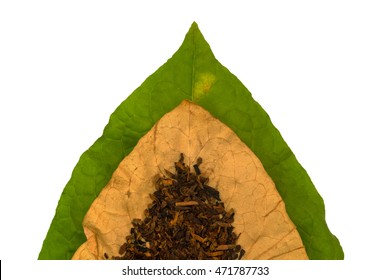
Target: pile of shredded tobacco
column 186, row 220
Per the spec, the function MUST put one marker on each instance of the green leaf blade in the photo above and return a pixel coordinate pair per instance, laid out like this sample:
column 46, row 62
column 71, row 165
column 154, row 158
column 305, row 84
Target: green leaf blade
column 192, row 73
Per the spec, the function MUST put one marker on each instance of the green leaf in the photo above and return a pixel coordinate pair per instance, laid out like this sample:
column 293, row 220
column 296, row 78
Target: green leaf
column 192, row 73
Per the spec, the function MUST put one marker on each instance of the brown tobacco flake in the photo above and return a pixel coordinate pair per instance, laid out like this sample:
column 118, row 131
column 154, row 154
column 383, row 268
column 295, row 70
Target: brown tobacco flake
column 186, row 203
column 186, row 220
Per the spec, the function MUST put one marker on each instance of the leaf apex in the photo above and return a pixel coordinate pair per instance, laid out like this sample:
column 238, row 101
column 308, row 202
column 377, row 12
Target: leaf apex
column 195, row 32
column 194, row 25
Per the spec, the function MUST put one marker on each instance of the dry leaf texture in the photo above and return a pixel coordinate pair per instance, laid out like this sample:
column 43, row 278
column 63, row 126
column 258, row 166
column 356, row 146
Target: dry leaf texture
column 260, row 216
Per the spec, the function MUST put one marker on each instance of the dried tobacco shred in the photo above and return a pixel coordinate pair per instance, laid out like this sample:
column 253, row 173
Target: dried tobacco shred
column 186, row 220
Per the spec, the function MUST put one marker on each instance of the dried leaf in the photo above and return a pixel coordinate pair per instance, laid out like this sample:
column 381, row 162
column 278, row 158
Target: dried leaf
column 266, row 231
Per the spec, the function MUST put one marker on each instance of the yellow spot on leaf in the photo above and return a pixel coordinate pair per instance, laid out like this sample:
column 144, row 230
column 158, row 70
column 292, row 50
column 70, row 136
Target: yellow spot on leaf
column 203, row 84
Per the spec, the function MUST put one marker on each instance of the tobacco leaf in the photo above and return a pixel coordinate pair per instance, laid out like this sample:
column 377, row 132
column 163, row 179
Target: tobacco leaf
column 192, row 73
column 266, row 231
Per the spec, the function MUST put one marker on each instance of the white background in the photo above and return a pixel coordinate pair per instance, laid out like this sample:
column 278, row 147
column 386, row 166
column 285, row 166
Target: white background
column 321, row 69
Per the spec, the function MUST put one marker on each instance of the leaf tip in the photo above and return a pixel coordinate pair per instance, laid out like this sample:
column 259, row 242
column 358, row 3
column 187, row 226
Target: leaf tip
column 194, row 25
column 194, row 29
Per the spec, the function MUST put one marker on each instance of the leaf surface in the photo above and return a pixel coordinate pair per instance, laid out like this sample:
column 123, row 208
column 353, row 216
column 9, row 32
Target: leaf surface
column 266, row 231
column 192, row 73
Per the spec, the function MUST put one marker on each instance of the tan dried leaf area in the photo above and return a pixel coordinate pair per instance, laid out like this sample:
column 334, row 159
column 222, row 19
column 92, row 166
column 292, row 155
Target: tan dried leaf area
column 260, row 216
